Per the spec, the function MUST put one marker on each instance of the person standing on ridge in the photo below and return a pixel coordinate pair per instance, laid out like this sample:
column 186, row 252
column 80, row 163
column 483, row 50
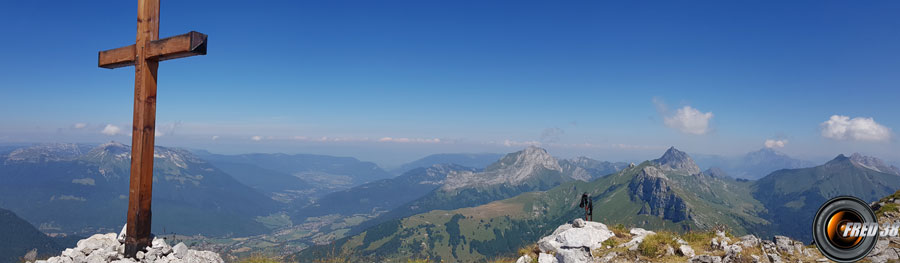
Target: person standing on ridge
column 590, row 210
column 588, row 206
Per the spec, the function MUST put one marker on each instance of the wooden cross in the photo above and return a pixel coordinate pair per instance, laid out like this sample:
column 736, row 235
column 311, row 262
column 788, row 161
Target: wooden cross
column 145, row 55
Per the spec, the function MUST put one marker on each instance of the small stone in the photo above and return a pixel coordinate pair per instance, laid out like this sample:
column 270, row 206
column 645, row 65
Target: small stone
column 686, row 251
column 139, row 255
column 579, row 223
column 162, row 246
column 31, row 255
column 69, row 253
column 721, row 234
column 524, row 259
column 152, row 253
column 784, row 244
column 705, row 259
column 180, row 250
column 774, row 258
column 121, row 237
column 96, row 257
column 542, row 258
column 749, row 241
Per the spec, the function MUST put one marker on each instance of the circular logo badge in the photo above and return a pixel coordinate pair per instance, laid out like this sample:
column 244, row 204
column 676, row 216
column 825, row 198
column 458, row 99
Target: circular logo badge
column 845, row 229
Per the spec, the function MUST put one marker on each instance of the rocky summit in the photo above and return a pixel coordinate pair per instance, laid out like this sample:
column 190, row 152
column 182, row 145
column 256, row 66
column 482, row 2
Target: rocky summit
column 678, row 161
column 874, row 164
column 591, row 242
column 111, row 248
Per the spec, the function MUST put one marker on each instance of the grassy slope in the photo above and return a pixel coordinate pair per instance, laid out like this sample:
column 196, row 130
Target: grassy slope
column 793, row 196
column 499, row 228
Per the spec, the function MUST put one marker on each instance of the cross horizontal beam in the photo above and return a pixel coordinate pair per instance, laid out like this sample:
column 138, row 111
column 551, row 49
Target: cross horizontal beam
column 186, row 45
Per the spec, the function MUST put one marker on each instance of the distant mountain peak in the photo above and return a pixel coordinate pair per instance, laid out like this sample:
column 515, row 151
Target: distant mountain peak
column 45, row 152
column 530, row 156
column 675, row 160
column 840, row 158
column 873, row 163
column 767, row 152
column 513, row 169
column 108, row 151
column 840, row 161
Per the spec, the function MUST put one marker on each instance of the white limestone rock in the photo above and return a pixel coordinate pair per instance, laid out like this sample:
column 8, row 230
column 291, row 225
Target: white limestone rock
column 638, row 235
column 686, row 251
column 180, row 250
column 121, row 236
column 105, row 248
column 546, row 258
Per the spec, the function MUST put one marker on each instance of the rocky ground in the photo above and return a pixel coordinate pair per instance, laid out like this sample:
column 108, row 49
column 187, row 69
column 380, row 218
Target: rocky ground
column 887, row 249
column 581, row 242
column 111, row 248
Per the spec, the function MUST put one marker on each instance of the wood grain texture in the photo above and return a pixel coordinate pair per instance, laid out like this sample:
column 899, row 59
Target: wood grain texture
column 145, row 55
column 191, row 44
column 140, row 191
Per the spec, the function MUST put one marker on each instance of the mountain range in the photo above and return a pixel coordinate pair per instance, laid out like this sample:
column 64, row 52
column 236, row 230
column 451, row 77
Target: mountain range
column 296, row 177
column 382, row 195
column 473, row 160
column 63, row 189
column 753, row 165
column 438, row 209
column 792, row 196
column 531, row 169
column 666, row 193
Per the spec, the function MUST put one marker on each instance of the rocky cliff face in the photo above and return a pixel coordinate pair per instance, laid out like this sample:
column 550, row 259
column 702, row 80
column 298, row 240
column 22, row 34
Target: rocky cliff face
column 652, row 187
column 677, row 161
column 887, row 249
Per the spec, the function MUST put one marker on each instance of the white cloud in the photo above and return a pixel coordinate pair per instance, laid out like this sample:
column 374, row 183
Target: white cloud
column 840, row 127
column 111, row 130
column 689, row 120
column 256, row 138
column 770, row 143
column 215, row 137
column 79, row 125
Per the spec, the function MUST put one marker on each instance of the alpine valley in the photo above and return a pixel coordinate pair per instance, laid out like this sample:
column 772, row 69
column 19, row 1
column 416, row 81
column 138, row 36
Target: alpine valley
column 670, row 193
column 444, row 207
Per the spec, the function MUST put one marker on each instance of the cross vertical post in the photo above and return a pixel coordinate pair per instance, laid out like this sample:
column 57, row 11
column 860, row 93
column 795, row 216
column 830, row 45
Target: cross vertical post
column 137, row 235
column 145, row 55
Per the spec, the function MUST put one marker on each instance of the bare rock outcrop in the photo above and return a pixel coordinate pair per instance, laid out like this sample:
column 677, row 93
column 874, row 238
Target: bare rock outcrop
column 111, row 248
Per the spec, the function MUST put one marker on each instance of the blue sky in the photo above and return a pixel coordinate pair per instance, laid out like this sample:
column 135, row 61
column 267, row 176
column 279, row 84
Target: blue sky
column 390, row 81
